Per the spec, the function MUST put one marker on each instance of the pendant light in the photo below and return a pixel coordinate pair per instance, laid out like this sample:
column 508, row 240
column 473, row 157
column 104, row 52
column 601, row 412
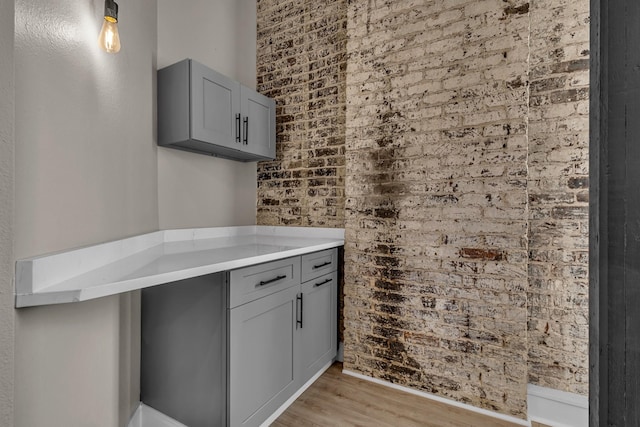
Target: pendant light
column 109, row 38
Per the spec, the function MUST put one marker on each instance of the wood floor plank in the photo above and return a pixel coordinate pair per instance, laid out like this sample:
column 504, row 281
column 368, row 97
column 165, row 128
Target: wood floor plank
column 341, row 400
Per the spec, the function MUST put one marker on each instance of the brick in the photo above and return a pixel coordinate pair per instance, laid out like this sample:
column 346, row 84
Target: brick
column 308, row 85
column 560, row 85
column 450, row 139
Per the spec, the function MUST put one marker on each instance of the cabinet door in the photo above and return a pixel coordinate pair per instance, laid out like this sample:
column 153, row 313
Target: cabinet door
column 262, row 368
column 258, row 123
column 214, row 107
column 318, row 344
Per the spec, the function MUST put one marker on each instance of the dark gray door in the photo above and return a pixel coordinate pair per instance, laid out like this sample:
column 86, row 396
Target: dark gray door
column 614, row 250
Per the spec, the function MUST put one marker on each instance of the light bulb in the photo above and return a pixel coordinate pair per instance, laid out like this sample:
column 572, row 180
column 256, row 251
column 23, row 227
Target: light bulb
column 109, row 38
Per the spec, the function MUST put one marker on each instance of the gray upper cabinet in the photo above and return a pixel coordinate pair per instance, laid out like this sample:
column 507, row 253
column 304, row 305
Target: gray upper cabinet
column 258, row 114
column 213, row 103
column 203, row 111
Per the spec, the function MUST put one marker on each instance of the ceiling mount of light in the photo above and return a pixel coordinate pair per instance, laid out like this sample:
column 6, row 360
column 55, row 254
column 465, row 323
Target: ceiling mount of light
column 109, row 38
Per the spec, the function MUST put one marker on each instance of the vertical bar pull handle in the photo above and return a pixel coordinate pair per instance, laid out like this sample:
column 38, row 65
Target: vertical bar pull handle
column 246, row 131
column 238, row 127
column 299, row 299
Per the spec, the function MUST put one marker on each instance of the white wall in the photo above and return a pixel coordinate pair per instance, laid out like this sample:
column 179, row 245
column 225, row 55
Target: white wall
column 218, row 33
column 196, row 190
column 6, row 213
column 86, row 172
column 85, row 145
column 246, row 39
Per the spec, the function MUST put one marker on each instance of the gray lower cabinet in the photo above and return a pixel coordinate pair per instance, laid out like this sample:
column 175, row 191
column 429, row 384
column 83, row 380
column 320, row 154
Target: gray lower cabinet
column 319, row 324
column 280, row 341
column 262, row 369
column 203, row 111
column 183, row 352
column 230, row 348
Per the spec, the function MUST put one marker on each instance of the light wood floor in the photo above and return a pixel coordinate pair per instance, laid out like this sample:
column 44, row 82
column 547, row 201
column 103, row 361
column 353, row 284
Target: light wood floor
column 341, row 400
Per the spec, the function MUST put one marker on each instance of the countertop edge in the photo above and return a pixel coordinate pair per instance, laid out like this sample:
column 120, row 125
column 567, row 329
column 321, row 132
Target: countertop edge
column 28, row 270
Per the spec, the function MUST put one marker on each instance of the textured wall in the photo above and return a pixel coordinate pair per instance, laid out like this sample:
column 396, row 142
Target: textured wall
column 436, row 249
column 196, row 190
column 85, row 172
column 465, row 206
column 558, row 195
column 6, row 212
column 301, row 63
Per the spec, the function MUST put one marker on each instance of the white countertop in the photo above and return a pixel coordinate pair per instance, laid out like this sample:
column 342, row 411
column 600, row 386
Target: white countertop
column 160, row 257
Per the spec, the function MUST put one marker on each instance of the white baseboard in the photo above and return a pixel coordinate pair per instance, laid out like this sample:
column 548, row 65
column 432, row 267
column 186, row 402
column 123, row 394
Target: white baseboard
column 293, row 398
column 557, row 408
column 136, row 418
column 440, row 399
column 146, row 416
column 547, row 406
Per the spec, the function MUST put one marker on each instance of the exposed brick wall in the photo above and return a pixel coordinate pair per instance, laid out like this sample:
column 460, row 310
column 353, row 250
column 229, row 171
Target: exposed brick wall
column 301, row 63
column 464, row 195
column 558, row 195
column 436, row 251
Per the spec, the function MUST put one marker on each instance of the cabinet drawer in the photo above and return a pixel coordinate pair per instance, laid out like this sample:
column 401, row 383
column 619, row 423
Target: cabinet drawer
column 250, row 283
column 319, row 263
